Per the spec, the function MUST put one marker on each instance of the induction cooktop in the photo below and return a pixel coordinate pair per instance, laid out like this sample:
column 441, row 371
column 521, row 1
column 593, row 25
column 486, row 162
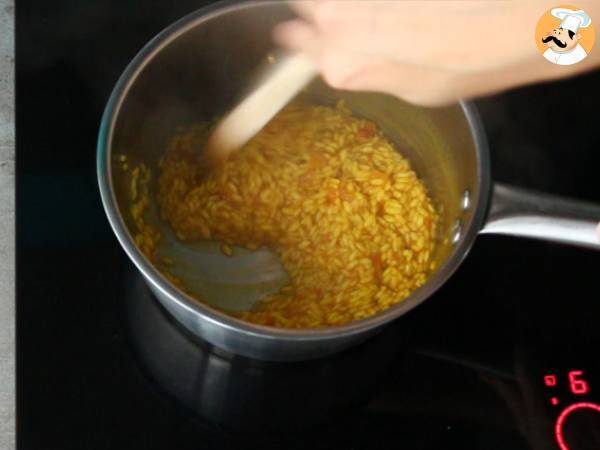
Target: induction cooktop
column 504, row 356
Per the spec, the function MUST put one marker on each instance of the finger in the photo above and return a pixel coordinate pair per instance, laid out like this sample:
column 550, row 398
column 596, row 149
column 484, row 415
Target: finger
column 306, row 9
column 421, row 86
column 362, row 26
column 334, row 64
column 296, row 35
column 338, row 66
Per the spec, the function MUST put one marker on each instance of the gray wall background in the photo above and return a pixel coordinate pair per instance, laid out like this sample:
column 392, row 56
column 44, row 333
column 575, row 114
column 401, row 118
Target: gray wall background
column 7, row 227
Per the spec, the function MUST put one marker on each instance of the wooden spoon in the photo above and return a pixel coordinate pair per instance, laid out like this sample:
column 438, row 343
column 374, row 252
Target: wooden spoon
column 283, row 81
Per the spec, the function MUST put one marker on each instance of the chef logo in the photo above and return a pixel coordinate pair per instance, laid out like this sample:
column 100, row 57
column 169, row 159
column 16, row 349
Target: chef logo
column 565, row 35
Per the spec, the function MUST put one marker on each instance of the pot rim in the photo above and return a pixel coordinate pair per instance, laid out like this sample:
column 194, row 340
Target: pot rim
column 207, row 313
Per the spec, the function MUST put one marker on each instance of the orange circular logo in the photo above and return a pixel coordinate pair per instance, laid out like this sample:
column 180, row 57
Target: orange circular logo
column 565, row 35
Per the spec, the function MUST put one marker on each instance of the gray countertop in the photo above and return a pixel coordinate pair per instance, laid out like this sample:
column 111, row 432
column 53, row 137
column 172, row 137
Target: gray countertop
column 7, row 227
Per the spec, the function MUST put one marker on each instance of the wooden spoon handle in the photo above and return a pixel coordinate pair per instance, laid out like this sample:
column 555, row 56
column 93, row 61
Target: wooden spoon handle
column 281, row 84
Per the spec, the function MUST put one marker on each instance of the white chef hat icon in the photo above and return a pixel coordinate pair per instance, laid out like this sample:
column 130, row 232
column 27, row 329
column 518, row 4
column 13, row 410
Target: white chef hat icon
column 571, row 19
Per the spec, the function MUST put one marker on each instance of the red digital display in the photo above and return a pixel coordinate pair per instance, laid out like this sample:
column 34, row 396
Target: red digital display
column 550, row 380
column 577, row 384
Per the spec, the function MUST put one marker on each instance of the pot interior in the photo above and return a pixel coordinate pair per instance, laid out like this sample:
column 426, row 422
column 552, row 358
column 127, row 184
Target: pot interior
column 198, row 72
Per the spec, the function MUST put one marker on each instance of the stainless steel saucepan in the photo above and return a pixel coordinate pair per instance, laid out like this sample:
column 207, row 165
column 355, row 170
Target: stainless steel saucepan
column 196, row 69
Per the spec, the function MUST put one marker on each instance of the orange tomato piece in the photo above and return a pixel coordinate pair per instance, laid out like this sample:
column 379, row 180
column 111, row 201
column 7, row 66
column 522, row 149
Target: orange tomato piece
column 366, row 131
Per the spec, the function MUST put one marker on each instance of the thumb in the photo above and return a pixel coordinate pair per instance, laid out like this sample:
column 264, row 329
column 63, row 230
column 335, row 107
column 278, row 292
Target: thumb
column 297, row 36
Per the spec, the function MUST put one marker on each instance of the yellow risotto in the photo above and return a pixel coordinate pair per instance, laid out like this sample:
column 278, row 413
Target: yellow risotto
column 348, row 217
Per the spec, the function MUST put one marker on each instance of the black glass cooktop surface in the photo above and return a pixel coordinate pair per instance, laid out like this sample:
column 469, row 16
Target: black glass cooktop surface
column 504, row 352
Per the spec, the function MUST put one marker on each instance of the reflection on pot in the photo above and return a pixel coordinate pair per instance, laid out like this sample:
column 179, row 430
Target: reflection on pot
column 246, row 394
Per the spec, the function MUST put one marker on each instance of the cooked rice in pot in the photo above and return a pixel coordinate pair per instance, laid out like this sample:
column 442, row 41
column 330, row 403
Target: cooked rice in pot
column 328, row 193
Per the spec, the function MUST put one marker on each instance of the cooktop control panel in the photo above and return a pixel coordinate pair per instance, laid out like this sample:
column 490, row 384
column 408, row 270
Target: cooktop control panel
column 570, row 394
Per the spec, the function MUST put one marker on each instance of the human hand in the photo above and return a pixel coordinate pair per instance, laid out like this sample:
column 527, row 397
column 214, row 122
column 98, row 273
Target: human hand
column 426, row 52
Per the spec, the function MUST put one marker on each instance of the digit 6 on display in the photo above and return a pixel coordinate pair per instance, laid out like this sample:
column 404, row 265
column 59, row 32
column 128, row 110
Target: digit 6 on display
column 577, row 384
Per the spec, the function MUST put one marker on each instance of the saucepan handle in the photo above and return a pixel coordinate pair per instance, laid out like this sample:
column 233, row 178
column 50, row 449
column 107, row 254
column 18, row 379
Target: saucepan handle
column 520, row 212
